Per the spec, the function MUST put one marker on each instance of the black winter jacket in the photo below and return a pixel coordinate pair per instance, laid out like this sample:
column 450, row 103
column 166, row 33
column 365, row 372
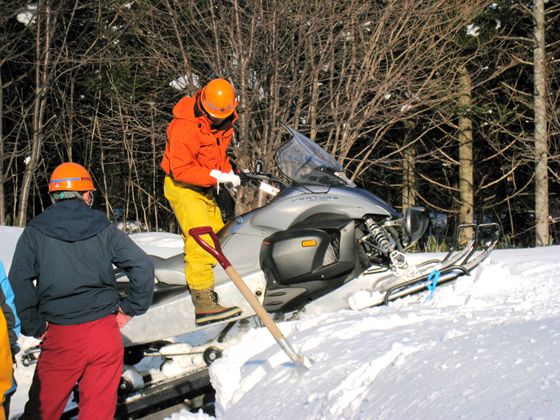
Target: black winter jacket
column 62, row 269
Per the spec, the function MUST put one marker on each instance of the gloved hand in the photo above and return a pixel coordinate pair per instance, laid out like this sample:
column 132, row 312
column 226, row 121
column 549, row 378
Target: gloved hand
column 122, row 318
column 243, row 177
column 226, row 178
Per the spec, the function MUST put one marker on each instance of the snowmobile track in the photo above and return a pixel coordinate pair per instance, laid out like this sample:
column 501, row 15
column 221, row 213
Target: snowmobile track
column 164, row 395
column 159, row 396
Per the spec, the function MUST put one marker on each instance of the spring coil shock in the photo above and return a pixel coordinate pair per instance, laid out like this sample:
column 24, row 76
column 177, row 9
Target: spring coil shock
column 379, row 235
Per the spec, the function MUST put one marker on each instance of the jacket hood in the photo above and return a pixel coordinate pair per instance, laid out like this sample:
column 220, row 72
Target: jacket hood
column 70, row 221
column 184, row 109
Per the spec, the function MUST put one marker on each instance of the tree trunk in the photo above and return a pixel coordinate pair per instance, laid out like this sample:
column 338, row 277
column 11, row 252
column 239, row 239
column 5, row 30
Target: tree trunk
column 542, row 237
column 42, row 53
column 2, row 178
column 409, row 180
column 466, row 188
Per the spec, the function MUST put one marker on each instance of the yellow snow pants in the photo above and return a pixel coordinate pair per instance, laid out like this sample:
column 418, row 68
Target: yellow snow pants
column 194, row 209
column 6, row 367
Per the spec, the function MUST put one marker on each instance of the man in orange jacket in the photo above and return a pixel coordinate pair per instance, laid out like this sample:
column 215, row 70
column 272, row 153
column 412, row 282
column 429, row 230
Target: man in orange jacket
column 196, row 162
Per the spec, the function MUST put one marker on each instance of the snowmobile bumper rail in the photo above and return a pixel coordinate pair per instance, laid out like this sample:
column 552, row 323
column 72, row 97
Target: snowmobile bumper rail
column 454, row 264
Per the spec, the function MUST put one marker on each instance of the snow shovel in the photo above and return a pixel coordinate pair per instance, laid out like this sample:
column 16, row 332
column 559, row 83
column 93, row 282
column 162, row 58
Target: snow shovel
column 216, row 252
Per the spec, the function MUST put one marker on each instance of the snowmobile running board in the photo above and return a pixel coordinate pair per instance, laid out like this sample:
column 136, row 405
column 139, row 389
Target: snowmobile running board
column 452, row 266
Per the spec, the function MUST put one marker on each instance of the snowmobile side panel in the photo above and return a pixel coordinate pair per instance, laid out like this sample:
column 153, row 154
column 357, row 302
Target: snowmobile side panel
column 291, row 281
column 174, row 315
column 303, row 250
column 319, row 248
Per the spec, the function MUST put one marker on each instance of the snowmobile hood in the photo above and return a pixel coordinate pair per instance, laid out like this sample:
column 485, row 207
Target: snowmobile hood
column 70, row 221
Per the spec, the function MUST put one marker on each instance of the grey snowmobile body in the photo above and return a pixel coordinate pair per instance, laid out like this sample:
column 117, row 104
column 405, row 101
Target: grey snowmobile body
column 319, row 232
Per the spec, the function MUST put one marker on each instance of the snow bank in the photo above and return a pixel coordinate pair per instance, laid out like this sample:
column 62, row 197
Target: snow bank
column 484, row 347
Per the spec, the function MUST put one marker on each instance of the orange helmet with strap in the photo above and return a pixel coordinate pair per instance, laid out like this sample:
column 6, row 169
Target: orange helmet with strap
column 218, row 98
column 70, row 176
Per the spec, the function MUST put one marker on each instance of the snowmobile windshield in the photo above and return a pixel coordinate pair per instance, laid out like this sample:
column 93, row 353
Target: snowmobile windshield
column 305, row 162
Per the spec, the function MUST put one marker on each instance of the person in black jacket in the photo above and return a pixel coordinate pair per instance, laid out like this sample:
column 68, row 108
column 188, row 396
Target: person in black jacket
column 66, row 295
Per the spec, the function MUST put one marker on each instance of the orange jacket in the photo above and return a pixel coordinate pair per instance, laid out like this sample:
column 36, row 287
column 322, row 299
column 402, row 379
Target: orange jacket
column 6, row 367
column 194, row 147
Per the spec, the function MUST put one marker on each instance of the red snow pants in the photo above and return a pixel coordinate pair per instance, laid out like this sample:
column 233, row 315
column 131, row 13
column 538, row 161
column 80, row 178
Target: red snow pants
column 89, row 354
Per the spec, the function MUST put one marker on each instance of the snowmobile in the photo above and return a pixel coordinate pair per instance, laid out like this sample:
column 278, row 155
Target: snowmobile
column 319, row 232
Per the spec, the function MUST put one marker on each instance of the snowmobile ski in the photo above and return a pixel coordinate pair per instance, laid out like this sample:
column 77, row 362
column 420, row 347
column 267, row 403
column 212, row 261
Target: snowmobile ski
column 452, row 266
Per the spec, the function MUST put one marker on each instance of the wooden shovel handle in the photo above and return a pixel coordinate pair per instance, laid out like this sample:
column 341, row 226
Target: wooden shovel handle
column 216, row 252
column 255, row 304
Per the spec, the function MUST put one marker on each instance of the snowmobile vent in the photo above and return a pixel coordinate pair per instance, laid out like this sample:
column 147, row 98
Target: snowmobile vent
column 331, row 253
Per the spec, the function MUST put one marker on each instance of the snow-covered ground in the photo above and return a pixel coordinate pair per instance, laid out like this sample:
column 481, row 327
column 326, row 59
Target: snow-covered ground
column 485, row 347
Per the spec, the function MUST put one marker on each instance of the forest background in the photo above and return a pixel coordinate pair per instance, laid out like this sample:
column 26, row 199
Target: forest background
column 452, row 105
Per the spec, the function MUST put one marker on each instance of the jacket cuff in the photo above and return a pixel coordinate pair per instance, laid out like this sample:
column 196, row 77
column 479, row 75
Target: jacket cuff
column 126, row 308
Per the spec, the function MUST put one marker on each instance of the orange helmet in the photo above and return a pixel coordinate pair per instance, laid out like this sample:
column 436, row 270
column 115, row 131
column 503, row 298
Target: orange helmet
column 218, row 98
column 70, row 176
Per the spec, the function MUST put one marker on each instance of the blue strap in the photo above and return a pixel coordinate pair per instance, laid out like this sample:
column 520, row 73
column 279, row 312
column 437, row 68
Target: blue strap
column 432, row 282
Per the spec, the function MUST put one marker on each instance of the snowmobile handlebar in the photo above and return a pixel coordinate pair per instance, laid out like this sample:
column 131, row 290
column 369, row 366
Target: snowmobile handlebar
column 258, row 177
column 216, row 250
